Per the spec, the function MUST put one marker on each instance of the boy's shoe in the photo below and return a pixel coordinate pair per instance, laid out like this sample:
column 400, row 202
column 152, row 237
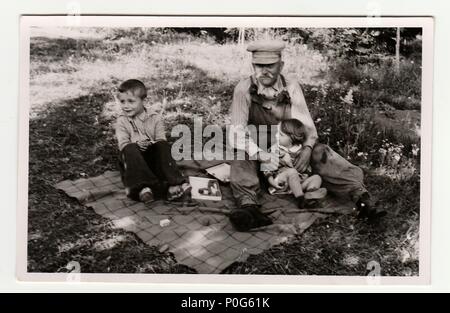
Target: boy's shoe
column 315, row 198
column 146, row 195
column 366, row 208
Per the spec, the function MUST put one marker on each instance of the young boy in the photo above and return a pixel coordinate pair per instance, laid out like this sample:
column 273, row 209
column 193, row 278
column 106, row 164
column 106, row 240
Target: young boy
column 146, row 164
column 305, row 187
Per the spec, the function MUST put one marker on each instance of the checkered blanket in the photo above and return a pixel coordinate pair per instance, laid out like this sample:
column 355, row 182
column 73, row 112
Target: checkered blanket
column 201, row 236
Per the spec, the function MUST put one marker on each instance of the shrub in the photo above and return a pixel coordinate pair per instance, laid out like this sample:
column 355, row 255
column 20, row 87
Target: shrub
column 380, row 84
column 154, row 35
column 353, row 133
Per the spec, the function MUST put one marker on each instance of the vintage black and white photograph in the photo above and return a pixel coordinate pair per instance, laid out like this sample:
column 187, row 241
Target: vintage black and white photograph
column 253, row 148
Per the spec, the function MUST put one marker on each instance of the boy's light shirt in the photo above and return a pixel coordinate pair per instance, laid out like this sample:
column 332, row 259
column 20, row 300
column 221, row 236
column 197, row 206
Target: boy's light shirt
column 145, row 126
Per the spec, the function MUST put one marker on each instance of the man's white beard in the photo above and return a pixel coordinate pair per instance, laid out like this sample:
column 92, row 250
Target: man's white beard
column 267, row 91
column 266, row 76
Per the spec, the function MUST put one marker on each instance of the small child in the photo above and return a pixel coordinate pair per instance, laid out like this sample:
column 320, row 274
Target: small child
column 305, row 187
column 145, row 160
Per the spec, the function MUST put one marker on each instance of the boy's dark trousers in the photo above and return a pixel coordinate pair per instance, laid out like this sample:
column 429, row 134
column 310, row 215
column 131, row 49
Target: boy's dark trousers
column 154, row 168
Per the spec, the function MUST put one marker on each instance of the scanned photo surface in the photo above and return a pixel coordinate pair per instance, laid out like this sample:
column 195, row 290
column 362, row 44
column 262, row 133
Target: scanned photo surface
column 225, row 150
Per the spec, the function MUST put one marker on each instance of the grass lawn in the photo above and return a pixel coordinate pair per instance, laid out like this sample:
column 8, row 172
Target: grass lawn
column 71, row 136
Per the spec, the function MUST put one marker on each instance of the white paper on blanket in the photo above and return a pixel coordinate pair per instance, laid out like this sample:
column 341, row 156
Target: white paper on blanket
column 274, row 191
column 220, row 171
column 205, row 188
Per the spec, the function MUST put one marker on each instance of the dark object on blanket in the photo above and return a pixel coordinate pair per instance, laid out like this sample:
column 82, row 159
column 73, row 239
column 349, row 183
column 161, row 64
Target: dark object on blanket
column 248, row 217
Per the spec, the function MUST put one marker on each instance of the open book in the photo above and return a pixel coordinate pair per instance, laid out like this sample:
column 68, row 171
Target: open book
column 205, row 188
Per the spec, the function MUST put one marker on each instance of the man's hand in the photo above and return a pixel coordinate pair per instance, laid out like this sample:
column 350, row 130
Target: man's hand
column 144, row 144
column 302, row 159
column 286, row 161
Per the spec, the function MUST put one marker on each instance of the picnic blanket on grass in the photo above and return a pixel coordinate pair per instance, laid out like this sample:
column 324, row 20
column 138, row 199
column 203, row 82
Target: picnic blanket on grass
column 200, row 236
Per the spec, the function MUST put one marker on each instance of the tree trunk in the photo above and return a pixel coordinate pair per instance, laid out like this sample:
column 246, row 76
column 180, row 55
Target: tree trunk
column 397, row 51
column 256, row 33
column 241, row 37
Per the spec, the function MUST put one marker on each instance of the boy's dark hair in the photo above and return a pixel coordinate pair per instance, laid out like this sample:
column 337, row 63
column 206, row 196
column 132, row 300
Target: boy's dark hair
column 294, row 129
column 134, row 85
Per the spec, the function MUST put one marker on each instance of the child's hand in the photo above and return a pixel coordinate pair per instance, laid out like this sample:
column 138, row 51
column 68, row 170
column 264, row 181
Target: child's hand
column 276, row 183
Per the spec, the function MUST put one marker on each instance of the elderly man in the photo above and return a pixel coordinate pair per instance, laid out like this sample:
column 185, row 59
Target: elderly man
column 266, row 98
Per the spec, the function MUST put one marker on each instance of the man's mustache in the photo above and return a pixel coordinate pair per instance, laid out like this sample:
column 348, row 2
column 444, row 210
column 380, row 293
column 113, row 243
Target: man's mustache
column 264, row 76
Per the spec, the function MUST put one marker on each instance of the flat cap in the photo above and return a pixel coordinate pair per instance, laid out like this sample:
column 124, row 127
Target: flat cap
column 266, row 51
